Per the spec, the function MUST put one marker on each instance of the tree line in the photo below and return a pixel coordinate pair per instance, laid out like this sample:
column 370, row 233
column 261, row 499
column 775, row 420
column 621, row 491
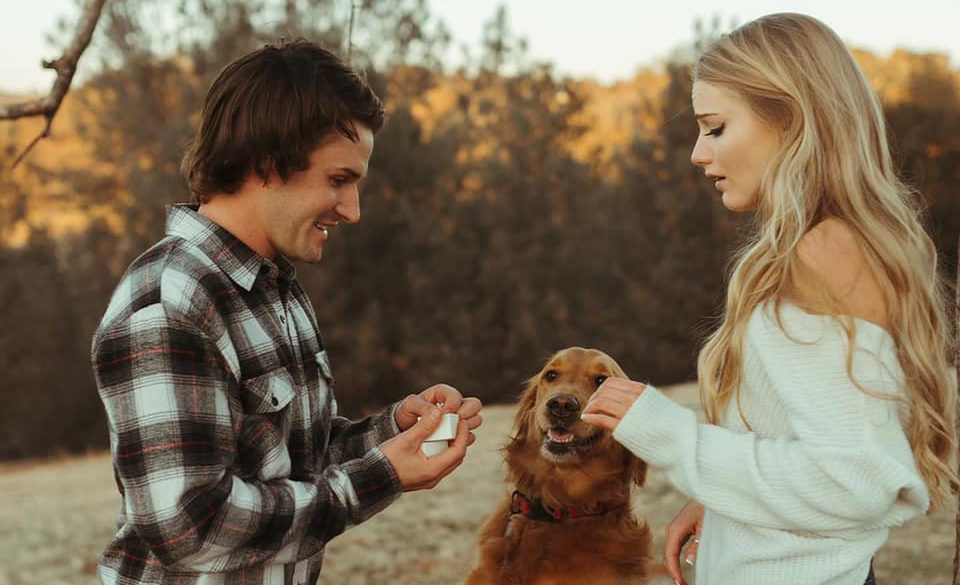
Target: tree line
column 509, row 211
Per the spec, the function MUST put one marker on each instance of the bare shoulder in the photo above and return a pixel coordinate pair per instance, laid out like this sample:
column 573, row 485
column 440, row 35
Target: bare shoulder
column 828, row 246
column 832, row 257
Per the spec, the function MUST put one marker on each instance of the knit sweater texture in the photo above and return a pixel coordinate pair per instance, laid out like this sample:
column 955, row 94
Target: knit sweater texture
column 807, row 494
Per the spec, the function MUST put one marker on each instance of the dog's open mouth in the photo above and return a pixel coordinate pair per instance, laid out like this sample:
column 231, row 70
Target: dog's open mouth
column 559, row 440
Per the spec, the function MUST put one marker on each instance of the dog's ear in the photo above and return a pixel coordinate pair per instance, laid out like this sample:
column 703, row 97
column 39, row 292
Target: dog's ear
column 526, row 410
column 616, row 369
column 637, row 470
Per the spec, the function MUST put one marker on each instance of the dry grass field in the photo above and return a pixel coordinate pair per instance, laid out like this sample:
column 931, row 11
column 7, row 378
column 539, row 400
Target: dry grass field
column 56, row 516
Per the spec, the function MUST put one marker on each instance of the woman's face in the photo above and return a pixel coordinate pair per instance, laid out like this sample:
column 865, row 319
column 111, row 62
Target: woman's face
column 734, row 146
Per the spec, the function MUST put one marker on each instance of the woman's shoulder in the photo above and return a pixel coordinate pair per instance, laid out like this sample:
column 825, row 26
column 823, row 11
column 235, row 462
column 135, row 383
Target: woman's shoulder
column 832, row 261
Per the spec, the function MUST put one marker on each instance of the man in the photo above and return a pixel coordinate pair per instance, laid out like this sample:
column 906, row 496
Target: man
column 232, row 462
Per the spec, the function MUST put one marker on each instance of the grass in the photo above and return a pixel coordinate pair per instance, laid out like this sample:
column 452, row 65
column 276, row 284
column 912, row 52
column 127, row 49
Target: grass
column 57, row 516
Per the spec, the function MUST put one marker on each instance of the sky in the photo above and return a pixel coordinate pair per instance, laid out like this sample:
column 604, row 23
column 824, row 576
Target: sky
column 603, row 39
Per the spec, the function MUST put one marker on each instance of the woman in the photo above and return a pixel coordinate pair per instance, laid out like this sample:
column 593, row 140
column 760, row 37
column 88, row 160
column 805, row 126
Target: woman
column 826, row 385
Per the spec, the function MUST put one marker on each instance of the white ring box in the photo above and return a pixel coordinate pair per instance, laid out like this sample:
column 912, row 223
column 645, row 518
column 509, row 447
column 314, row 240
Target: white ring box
column 440, row 439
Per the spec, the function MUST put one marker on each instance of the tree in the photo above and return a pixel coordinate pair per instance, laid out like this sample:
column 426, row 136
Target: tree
column 65, row 66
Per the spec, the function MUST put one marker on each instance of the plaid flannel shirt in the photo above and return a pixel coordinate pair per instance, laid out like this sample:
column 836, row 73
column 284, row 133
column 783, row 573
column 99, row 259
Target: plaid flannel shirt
column 233, row 465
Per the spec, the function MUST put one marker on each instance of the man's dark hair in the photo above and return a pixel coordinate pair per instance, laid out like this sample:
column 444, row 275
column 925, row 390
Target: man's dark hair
column 269, row 110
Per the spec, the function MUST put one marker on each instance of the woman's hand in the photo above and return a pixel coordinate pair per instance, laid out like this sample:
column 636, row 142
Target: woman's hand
column 685, row 524
column 610, row 403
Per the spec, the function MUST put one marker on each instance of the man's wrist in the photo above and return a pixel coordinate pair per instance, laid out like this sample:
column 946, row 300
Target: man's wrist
column 394, row 426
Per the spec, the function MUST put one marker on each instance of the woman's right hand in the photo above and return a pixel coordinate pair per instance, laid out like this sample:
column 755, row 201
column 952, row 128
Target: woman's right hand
column 685, row 524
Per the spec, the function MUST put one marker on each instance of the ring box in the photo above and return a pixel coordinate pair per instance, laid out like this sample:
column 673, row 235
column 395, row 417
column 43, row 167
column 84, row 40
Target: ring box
column 440, row 439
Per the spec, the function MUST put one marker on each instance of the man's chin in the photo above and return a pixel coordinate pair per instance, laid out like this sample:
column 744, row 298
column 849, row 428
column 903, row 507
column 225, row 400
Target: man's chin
column 306, row 256
column 315, row 259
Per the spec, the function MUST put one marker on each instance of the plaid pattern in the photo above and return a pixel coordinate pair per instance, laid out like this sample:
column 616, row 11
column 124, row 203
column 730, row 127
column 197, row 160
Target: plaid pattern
column 233, row 465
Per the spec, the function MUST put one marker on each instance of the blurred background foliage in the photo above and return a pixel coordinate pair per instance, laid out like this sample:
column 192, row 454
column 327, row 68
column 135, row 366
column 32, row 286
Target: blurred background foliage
column 509, row 211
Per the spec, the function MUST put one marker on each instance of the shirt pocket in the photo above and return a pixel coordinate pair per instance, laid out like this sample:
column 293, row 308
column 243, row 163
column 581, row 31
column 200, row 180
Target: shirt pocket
column 267, row 393
column 262, row 448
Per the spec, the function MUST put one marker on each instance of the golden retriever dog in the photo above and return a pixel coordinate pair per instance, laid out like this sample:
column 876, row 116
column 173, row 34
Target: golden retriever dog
column 569, row 522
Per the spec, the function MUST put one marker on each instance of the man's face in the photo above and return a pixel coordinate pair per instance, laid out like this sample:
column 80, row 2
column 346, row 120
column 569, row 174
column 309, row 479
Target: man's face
column 296, row 217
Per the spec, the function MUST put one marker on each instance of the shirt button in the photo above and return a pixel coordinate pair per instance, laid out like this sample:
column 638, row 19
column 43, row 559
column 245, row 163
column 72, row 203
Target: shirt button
column 283, row 319
column 274, row 401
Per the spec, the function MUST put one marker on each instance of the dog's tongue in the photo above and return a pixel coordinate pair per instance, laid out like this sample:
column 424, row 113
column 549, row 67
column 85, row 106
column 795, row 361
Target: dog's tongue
column 560, row 436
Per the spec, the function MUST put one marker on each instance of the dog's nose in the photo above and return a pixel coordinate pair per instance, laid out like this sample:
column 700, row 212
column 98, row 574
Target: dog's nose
column 563, row 406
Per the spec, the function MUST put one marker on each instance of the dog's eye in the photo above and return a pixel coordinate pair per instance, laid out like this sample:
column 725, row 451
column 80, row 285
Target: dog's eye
column 600, row 380
column 551, row 375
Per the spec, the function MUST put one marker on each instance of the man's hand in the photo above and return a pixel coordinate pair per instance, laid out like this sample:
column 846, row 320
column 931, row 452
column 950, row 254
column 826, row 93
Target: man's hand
column 610, row 403
column 685, row 524
column 415, row 405
column 415, row 470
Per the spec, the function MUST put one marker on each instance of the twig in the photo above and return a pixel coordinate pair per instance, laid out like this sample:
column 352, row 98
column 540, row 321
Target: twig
column 353, row 11
column 44, row 134
column 65, row 67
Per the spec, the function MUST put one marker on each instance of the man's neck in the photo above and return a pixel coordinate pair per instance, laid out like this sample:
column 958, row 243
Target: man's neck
column 236, row 213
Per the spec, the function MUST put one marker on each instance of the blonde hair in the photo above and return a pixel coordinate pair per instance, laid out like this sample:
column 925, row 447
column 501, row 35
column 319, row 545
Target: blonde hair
column 833, row 162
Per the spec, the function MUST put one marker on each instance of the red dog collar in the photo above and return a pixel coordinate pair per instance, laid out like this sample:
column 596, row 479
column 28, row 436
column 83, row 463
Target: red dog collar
column 537, row 510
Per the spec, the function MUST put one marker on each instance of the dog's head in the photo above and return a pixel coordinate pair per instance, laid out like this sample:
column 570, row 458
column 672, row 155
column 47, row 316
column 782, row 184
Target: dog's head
column 548, row 424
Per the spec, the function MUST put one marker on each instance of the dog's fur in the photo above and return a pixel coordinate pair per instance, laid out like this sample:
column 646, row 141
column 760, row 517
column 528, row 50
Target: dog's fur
column 585, row 472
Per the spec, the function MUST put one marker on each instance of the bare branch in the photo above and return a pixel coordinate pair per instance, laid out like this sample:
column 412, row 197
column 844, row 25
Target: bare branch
column 43, row 134
column 65, row 67
column 353, row 12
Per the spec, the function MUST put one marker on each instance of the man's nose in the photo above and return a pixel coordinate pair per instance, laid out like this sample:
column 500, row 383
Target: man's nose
column 348, row 205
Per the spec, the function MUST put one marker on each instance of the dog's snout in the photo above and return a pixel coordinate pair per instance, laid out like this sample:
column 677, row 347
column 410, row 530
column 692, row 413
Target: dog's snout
column 563, row 406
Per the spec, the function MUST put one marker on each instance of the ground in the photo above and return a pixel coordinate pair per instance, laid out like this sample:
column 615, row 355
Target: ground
column 56, row 516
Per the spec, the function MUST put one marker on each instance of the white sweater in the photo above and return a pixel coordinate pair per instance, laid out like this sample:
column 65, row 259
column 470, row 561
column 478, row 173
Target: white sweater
column 808, row 496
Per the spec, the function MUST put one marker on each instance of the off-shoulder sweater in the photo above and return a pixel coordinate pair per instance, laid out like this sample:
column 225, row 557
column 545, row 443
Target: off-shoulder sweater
column 809, row 492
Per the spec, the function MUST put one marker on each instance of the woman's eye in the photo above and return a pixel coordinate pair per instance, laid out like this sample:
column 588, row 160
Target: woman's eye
column 338, row 182
column 716, row 131
column 551, row 375
column 600, row 380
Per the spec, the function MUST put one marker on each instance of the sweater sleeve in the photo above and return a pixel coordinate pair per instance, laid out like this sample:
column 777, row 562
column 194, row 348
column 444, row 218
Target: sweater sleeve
column 842, row 463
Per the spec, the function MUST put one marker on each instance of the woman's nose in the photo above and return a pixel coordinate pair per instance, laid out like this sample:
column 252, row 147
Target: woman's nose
column 701, row 155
